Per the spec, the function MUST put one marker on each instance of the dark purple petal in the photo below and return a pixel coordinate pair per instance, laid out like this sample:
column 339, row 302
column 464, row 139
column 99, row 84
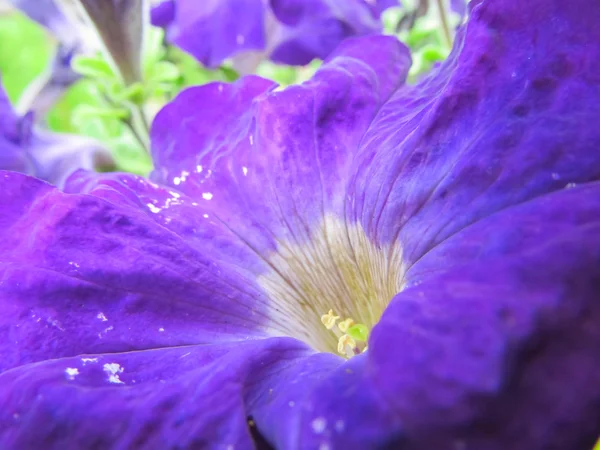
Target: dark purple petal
column 302, row 31
column 214, row 30
column 12, row 156
column 507, row 118
column 179, row 397
column 106, row 273
column 237, row 139
column 313, row 29
column 437, row 158
column 493, row 343
column 484, row 175
column 43, row 154
column 163, row 14
column 119, row 264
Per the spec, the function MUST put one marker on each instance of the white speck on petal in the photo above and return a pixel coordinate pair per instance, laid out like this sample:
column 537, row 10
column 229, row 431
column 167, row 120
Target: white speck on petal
column 292, row 404
column 324, row 446
column 199, row 168
column 113, row 370
column 245, row 170
column 72, row 263
column 251, row 138
column 207, row 195
column 570, row 185
column 88, row 360
column 71, row 373
column 319, row 425
column 102, row 317
column 161, row 329
column 153, row 208
column 54, row 323
column 205, row 216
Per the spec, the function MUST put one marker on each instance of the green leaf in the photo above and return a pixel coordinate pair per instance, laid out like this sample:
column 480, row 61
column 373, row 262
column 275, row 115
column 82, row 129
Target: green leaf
column 25, row 52
column 129, row 155
column 433, row 53
column 162, row 71
column 154, row 49
column 85, row 112
column 193, row 73
column 126, row 95
column 60, row 117
column 228, row 74
column 94, row 67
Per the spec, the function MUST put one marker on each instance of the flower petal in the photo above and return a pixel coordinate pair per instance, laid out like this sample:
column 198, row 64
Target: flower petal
column 502, row 358
column 234, row 142
column 301, row 30
column 493, row 343
column 81, row 274
column 44, row 154
column 510, row 116
column 313, row 29
column 179, row 397
column 11, row 155
column 213, row 30
column 56, row 156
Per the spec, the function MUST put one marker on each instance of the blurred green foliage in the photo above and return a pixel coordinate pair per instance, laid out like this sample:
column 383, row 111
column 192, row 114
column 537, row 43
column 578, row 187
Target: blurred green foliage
column 25, row 51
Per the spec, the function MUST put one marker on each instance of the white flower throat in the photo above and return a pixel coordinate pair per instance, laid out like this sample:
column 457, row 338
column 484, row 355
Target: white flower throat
column 338, row 270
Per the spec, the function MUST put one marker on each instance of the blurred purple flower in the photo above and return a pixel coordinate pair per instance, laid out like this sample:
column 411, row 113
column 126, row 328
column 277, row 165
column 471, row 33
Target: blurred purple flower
column 50, row 156
column 459, row 7
column 460, row 218
column 84, row 26
column 287, row 31
column 46, row 90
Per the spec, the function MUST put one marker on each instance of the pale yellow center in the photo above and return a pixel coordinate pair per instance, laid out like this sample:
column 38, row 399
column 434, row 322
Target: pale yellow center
column 338, row 269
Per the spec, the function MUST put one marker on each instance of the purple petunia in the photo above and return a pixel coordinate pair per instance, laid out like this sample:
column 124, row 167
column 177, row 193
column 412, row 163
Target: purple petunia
column 50, row 156
column 286, row 31
column 457, row 219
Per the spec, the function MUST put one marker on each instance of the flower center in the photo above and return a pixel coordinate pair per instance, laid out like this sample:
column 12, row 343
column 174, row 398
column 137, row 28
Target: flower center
column 337, row 269
column 352, row 337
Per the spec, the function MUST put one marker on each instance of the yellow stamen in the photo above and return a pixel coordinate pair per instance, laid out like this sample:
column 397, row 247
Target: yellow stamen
column 329, row 319
column 346, row 346
column 345, row 324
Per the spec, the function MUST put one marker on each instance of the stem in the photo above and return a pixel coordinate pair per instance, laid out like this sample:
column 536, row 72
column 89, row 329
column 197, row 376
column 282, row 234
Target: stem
column 139, row 127
column 444, row 20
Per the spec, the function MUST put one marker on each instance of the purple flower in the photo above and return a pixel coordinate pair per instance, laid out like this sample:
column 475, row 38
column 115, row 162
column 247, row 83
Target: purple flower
column 287, row 31
column 44, row 154
column 43, row 93
column 459, row 219
column 117, row 30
